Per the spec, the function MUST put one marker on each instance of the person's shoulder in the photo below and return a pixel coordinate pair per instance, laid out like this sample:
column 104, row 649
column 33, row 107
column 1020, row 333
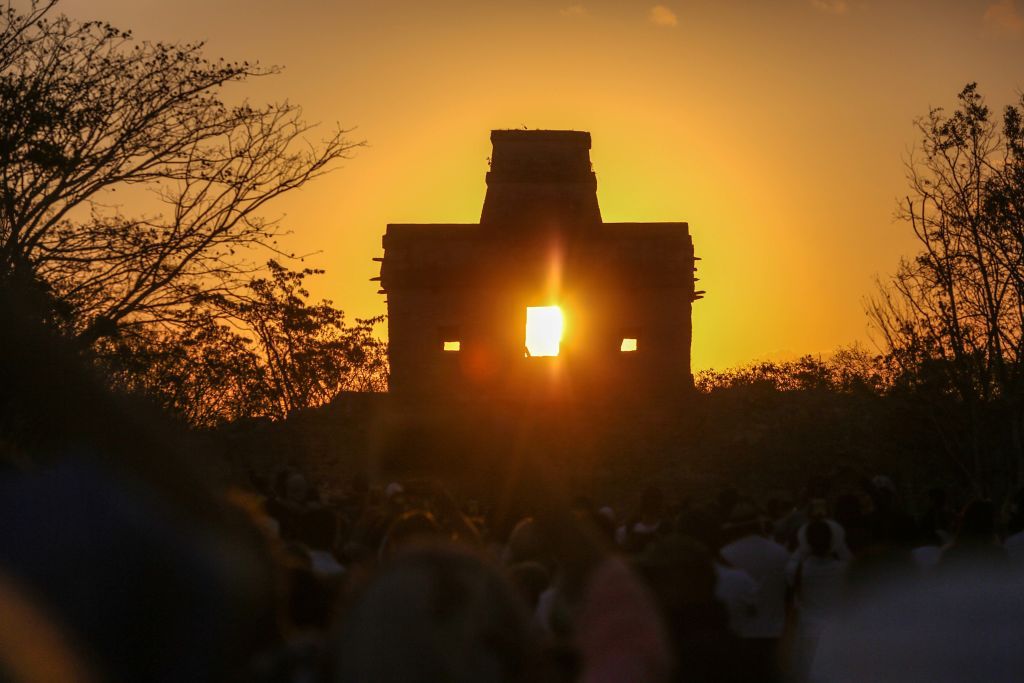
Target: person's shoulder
column 732, row 575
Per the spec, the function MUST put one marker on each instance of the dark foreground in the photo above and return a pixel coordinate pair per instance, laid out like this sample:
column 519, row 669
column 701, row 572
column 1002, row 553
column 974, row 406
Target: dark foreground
column 104, row 576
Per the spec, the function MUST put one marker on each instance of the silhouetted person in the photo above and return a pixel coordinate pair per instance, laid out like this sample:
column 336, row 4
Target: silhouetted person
column 436, row 614
column 410, row 528
column 818, row 583
column 681, row 573
column 764, row 560
column 642, row 527
column 734, row 588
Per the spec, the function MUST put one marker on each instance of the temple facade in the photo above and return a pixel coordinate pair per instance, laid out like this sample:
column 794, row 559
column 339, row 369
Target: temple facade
column 541, row 298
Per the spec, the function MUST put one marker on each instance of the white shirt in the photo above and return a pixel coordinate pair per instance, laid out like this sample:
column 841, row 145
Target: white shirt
column 737, row 592
column 765, row 562
column 821, row 589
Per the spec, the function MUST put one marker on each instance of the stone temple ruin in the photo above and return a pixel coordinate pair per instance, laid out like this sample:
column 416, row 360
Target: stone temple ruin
column 541, row 298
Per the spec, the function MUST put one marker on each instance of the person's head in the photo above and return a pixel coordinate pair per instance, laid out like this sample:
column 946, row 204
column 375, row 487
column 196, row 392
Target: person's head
column 435, row 613
column 409, row 528
column 394, row 493
column 525, row 543
column 819, row 538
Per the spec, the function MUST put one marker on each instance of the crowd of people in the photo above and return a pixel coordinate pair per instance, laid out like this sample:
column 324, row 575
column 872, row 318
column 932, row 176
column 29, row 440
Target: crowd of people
column 406, row 582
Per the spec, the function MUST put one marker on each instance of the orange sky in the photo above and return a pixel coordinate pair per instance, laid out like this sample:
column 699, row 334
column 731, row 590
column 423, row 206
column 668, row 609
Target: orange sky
column 777, row 129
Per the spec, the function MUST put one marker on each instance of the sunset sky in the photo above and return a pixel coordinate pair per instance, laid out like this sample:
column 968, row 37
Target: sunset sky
column 777, row 129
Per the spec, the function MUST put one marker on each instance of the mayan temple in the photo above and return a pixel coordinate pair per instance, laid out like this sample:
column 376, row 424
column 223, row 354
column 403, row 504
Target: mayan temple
column 541, row 298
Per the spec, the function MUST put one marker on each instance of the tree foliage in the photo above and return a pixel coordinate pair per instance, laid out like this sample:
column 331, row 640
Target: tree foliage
column 310, row 354
column 87, row 111
column 264, row 350
column 952, row 317
column 169, row 298
column 850, row 369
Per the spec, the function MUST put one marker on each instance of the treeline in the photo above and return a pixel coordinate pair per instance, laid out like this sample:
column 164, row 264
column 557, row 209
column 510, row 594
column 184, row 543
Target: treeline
column 857, row 409
column 773, row 425
column 850, row 369
column 951, row 318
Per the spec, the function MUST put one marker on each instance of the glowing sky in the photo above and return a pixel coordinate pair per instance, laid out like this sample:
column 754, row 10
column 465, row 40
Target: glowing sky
column 777, row 129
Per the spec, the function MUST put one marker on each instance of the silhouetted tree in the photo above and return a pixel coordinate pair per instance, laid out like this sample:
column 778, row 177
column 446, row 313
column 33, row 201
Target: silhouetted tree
column 952, row 316
column 87, row 111
column 203, row 371
column 310, row 354
column 848, row 369
column 261, row 351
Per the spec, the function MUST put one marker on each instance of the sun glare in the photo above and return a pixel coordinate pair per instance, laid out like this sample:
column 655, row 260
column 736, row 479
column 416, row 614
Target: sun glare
column 543, row 330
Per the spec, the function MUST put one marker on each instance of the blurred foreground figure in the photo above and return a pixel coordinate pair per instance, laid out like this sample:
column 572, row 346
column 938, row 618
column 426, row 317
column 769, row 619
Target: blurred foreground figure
column 959, row 628
column 118, row 561
column 131, row 590
column 436, row 613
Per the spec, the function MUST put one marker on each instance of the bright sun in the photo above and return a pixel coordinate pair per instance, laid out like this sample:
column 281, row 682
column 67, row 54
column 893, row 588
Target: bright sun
column 544, row 326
